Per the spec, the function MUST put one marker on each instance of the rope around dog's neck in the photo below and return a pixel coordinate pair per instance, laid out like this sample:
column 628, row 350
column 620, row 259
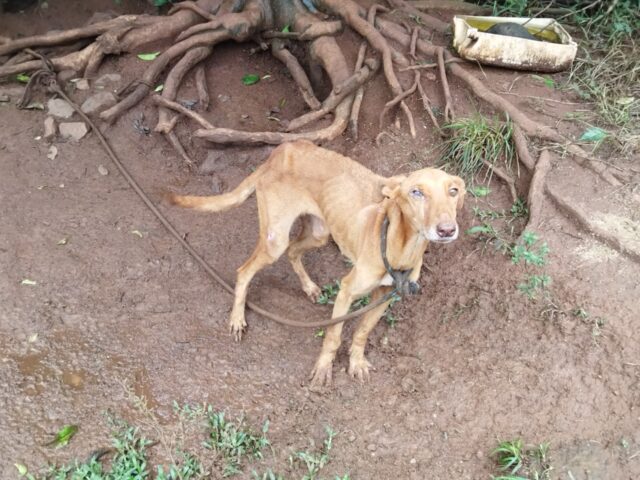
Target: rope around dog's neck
column 403, row 286
column 46, row 77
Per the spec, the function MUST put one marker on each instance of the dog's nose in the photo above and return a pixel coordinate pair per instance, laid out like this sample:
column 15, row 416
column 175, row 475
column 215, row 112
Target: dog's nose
column 446, row 230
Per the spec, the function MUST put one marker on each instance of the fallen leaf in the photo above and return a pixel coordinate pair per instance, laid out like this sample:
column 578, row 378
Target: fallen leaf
column 548, row 81
column 23, row 78
column 63, row 437
column 27, row 281
column 594, row 134
column 147, row 57
column 266, row 76
column 286, row 29
column 250, row 79
column 478, row 229
column 479, row 191
column 137, row 232
column 102, row 170
column 159, row 88
column 52, row 153
column 35, row 106
column 63, row 241
column 22, row 470
column 33, row 337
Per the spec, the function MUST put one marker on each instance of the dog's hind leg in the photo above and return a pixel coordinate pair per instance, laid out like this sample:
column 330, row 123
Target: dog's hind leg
column 358, row 364
column 275, row 223
column 314, row 234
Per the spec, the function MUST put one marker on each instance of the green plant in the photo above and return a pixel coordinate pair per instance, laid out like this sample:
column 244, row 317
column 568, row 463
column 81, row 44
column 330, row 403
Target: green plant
column 314, row 461
column 474, row 142
column 509, row 456
column 268, row 475
column 190, row 467
column 526, row 252
column 234, row 441
column 533, row 284
column 328, row 293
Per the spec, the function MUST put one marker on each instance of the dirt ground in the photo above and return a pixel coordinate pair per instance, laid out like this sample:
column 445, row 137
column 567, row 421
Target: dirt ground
column 470, row 361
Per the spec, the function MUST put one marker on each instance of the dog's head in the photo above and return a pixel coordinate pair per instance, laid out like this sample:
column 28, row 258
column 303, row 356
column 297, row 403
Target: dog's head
column 429, row 199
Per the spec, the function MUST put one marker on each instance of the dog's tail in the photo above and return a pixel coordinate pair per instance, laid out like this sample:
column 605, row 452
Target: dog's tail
column 218, row 203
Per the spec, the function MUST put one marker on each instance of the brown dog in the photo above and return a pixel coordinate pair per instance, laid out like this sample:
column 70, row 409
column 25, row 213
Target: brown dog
column 339, row 197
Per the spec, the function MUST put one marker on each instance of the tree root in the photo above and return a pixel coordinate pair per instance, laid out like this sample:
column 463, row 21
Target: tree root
column 535, row 197
column 315, row 30
column 201, row 87
column 337, row 95
column 297, row 72
column 505, row 177
column 357, row 100
column 582, row 219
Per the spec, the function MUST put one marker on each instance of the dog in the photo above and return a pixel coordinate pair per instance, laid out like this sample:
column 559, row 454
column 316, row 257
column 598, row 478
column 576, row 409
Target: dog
column 338, row 197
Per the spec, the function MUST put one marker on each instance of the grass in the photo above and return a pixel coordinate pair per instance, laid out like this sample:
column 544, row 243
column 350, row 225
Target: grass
column 314, row 461
column 472, row 141
column 234, row 441
column 517, row 462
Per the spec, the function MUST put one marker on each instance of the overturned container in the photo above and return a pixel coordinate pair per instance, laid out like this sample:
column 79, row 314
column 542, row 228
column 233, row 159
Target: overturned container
column 549, row 47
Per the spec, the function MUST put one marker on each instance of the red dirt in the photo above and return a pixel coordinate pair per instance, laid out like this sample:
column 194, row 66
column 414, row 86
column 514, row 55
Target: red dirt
column 470, row 361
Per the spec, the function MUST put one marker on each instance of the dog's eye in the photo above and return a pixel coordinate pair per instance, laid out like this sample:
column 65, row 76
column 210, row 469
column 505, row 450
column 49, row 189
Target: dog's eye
column 453, row 191
column 416, row 193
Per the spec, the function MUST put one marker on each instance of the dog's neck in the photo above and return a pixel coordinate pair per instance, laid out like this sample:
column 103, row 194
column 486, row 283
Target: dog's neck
column 405, row 246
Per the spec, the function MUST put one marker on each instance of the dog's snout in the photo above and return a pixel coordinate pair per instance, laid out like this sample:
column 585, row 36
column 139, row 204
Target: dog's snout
column 446, row 230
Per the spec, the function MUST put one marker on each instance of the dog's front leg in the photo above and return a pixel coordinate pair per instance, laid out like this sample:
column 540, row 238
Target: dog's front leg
column 322, row 372
column 358, row 364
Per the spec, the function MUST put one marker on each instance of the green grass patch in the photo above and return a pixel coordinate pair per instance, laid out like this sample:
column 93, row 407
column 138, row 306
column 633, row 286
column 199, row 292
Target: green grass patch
column 515, row 461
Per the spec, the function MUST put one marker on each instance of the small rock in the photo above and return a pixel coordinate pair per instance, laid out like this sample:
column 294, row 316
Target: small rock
column 66, row 75
column 73, row 130
column 217, row 185
column 52, row 153
column 102, row 170
column 372, row 447
column 98, row 102
column 50, row 128
column 108, row 79
column 408, row 384
column 4, row 97
column 59, row 108
column 224, row 98
column 82, row 84
column 352, row 438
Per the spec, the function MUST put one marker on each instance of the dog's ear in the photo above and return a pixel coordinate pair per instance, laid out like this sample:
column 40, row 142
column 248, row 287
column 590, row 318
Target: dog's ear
column 391, row 184
column 462, row 191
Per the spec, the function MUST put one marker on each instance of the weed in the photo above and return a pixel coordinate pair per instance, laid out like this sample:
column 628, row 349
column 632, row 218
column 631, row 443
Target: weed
column 509, row 456
column 268, row 475
column 474, row 141
column 234, row 441
column 388, row 316
column 580, row 312
column 518, row 462
column 314, row 461
column 534, row 284
column 526, row 253
column 330, row 291
column 190, row 467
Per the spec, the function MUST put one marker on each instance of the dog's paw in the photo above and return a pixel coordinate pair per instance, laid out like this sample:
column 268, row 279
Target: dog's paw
column 236, row 328
column 359, row 367
column 321, row 376
column 313, row 291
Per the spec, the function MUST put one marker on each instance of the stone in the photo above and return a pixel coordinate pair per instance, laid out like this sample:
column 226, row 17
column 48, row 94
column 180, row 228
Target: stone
column 66, row 75
column 111, row 79
column 59, row 108
column 73, row 130
column 98, row 102
column 52, row 153
column 408, row 384
column 102, row 170
column 4, row 97
column 50, row 128
column 82, row 84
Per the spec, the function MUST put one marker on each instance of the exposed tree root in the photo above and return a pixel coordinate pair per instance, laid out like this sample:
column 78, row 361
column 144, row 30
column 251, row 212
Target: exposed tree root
column 535, row 197
column 505, row 177
column 582, row 219
column 430, row 22
column 201, row 87
column 297, row 72
column 357, row 100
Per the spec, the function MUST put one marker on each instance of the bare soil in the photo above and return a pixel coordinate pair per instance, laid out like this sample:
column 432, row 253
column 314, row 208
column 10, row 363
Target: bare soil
column 470, row 361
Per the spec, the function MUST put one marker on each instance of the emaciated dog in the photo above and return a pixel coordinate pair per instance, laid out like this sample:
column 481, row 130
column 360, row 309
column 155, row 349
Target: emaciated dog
column 337, row 196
